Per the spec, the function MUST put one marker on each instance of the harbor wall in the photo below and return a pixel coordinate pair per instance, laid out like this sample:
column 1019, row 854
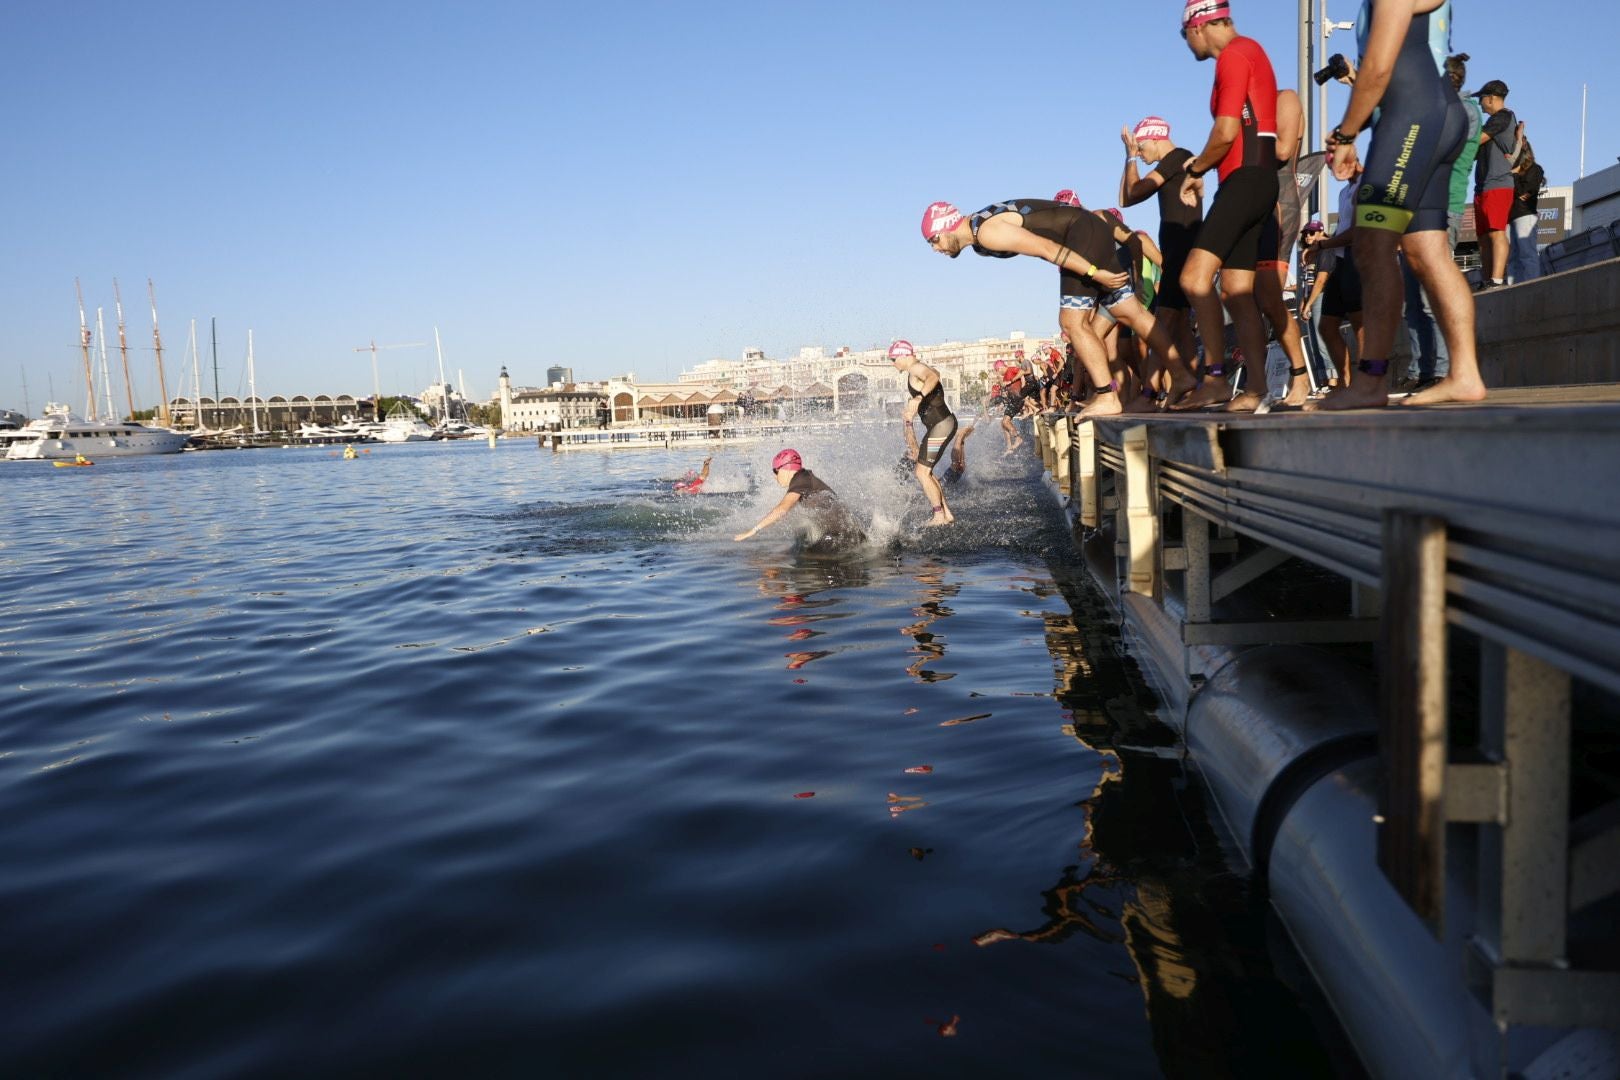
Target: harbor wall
column 1559, row 330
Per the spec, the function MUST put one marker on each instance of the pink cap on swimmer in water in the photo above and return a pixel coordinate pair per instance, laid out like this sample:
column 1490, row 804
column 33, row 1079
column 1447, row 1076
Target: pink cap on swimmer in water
column 1199, row 12
column 786, row 459
column 940, row 217
column 1067, row 197
column 901, row 349
column 1151, row 127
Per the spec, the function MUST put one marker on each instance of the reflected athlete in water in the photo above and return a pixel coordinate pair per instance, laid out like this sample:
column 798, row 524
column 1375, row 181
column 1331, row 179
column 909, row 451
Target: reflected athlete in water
column 837, row 525
column 927, row 402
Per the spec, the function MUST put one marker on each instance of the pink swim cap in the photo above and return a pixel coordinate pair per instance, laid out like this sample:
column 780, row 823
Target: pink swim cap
column 1114, row 212
column 1151, row 127
column 940, row 217
column 1199, row 12
column 786, row 459
column 1067, row 198
column 901, row 349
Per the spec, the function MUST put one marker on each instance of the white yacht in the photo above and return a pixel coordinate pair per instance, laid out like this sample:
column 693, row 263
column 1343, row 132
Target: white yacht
column 404, row 426
column 59, row 434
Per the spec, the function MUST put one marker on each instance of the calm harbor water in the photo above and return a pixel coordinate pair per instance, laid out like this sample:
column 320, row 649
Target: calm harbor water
column 460, row 761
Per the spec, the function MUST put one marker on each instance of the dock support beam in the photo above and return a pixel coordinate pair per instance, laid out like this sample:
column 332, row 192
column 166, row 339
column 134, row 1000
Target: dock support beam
column 1141, row 515
column 1086, row 473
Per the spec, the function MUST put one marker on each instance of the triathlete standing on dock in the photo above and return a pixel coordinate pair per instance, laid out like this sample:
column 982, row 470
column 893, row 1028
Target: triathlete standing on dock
column 1419, row 128
column 838, row 526
column 927, row 403
column 1242, row 147
column 1178, row 222
column 1082, row 246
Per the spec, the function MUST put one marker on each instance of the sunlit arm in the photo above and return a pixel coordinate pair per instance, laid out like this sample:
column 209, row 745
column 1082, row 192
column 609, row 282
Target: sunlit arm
column 789, row 501
column 1005, row 236
column 1391, row 20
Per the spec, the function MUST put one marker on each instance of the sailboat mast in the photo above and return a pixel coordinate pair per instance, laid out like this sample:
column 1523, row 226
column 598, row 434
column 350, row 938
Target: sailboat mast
column 84, row 347
column 213, row 333
column 461, row 381
column 253, row 386
column 123, row 350
column 196, row 379
column 157, row 345
column 106, row 376
column 444, row 391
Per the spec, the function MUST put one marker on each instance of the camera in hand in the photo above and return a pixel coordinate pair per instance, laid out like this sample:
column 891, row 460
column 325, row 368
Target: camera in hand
column 1337, row 68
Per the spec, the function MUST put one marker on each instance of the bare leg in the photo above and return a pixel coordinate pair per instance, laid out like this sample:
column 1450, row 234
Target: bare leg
column 1198, row 282
column 1268, row 290
column 1093, row 356
column 936, row 495
column 1164, row 370
column 1429, row 255
column 1381, row 298
column 1237, row 286
column 1499, row 253
column 1338, row 352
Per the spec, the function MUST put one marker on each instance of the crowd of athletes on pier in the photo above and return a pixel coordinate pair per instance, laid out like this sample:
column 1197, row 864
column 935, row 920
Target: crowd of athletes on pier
column 1184, row 320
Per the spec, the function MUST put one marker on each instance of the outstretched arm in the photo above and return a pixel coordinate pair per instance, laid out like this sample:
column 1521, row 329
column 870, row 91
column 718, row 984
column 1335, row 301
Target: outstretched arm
column 789, row 501
column 999, row 235
column 704, row 475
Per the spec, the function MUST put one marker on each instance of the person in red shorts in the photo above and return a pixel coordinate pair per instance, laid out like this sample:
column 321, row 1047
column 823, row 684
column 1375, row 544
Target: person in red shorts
column 1493, row 180
column 1242, row 148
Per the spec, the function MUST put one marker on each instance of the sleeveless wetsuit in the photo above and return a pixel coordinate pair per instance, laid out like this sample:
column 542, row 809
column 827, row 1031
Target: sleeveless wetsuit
column 1075, row 228
column 839, row 528
column 1245, row 89
column 1418, row 131
column 1178, row 228
column 938, row 420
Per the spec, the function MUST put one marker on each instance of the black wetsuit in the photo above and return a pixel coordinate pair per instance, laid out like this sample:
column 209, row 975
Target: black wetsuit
column 1418, row 132
column 837, row 525
column 939, row 423
column 1178, row 228
column 1074, row 227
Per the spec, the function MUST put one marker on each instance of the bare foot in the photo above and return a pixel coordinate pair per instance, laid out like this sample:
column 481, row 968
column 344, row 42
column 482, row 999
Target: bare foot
column 939, row 518
column 1215, row 391
column 1141, row 404
column 1247, row 401
column 1013, row 447
column 1373, row 396
column 1105, row 405
column 1447, row 389
column 1299, row 391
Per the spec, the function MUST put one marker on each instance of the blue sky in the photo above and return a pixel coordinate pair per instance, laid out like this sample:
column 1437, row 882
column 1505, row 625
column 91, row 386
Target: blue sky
column 636, row 187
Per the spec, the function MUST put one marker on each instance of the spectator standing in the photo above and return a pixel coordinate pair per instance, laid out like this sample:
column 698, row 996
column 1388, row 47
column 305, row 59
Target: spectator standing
column 1338, row 283
column 1305, row 294
column 1493, row 181
column 1528, row 181
column 1456, row 74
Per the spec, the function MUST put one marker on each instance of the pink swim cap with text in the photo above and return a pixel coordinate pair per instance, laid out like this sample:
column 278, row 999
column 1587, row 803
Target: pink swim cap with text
column 1151, row 127
column 940, row 217
column 786, row 459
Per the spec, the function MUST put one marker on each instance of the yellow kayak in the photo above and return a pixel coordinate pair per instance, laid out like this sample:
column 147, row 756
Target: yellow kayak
column 71, row 464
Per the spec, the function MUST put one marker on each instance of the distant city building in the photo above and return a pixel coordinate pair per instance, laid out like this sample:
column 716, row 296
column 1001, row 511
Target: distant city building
column 1597, row 199
column 274, row 413
column 548, row 408
column 559, row 374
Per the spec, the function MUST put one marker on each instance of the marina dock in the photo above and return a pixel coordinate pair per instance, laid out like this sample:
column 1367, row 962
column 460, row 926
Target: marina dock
column 1391, row 642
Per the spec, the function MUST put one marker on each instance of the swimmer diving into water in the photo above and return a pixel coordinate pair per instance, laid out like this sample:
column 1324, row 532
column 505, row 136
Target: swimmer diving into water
column 692, row 483
column 803, row 486
column 958, row 465
column 927, row 402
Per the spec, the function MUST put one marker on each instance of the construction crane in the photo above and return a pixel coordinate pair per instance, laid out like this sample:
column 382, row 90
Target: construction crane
column 376, row 381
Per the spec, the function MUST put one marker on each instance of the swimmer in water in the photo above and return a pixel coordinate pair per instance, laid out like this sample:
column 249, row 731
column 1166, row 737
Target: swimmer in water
column 803, row 486
column 692, row 483
column 927, row 402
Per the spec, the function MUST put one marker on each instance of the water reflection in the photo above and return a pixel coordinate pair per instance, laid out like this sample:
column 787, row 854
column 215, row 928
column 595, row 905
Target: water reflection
column 1150, row 874
column 931, row 608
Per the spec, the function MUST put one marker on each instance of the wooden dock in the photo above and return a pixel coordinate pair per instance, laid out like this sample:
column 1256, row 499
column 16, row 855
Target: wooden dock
column 1499, row 522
